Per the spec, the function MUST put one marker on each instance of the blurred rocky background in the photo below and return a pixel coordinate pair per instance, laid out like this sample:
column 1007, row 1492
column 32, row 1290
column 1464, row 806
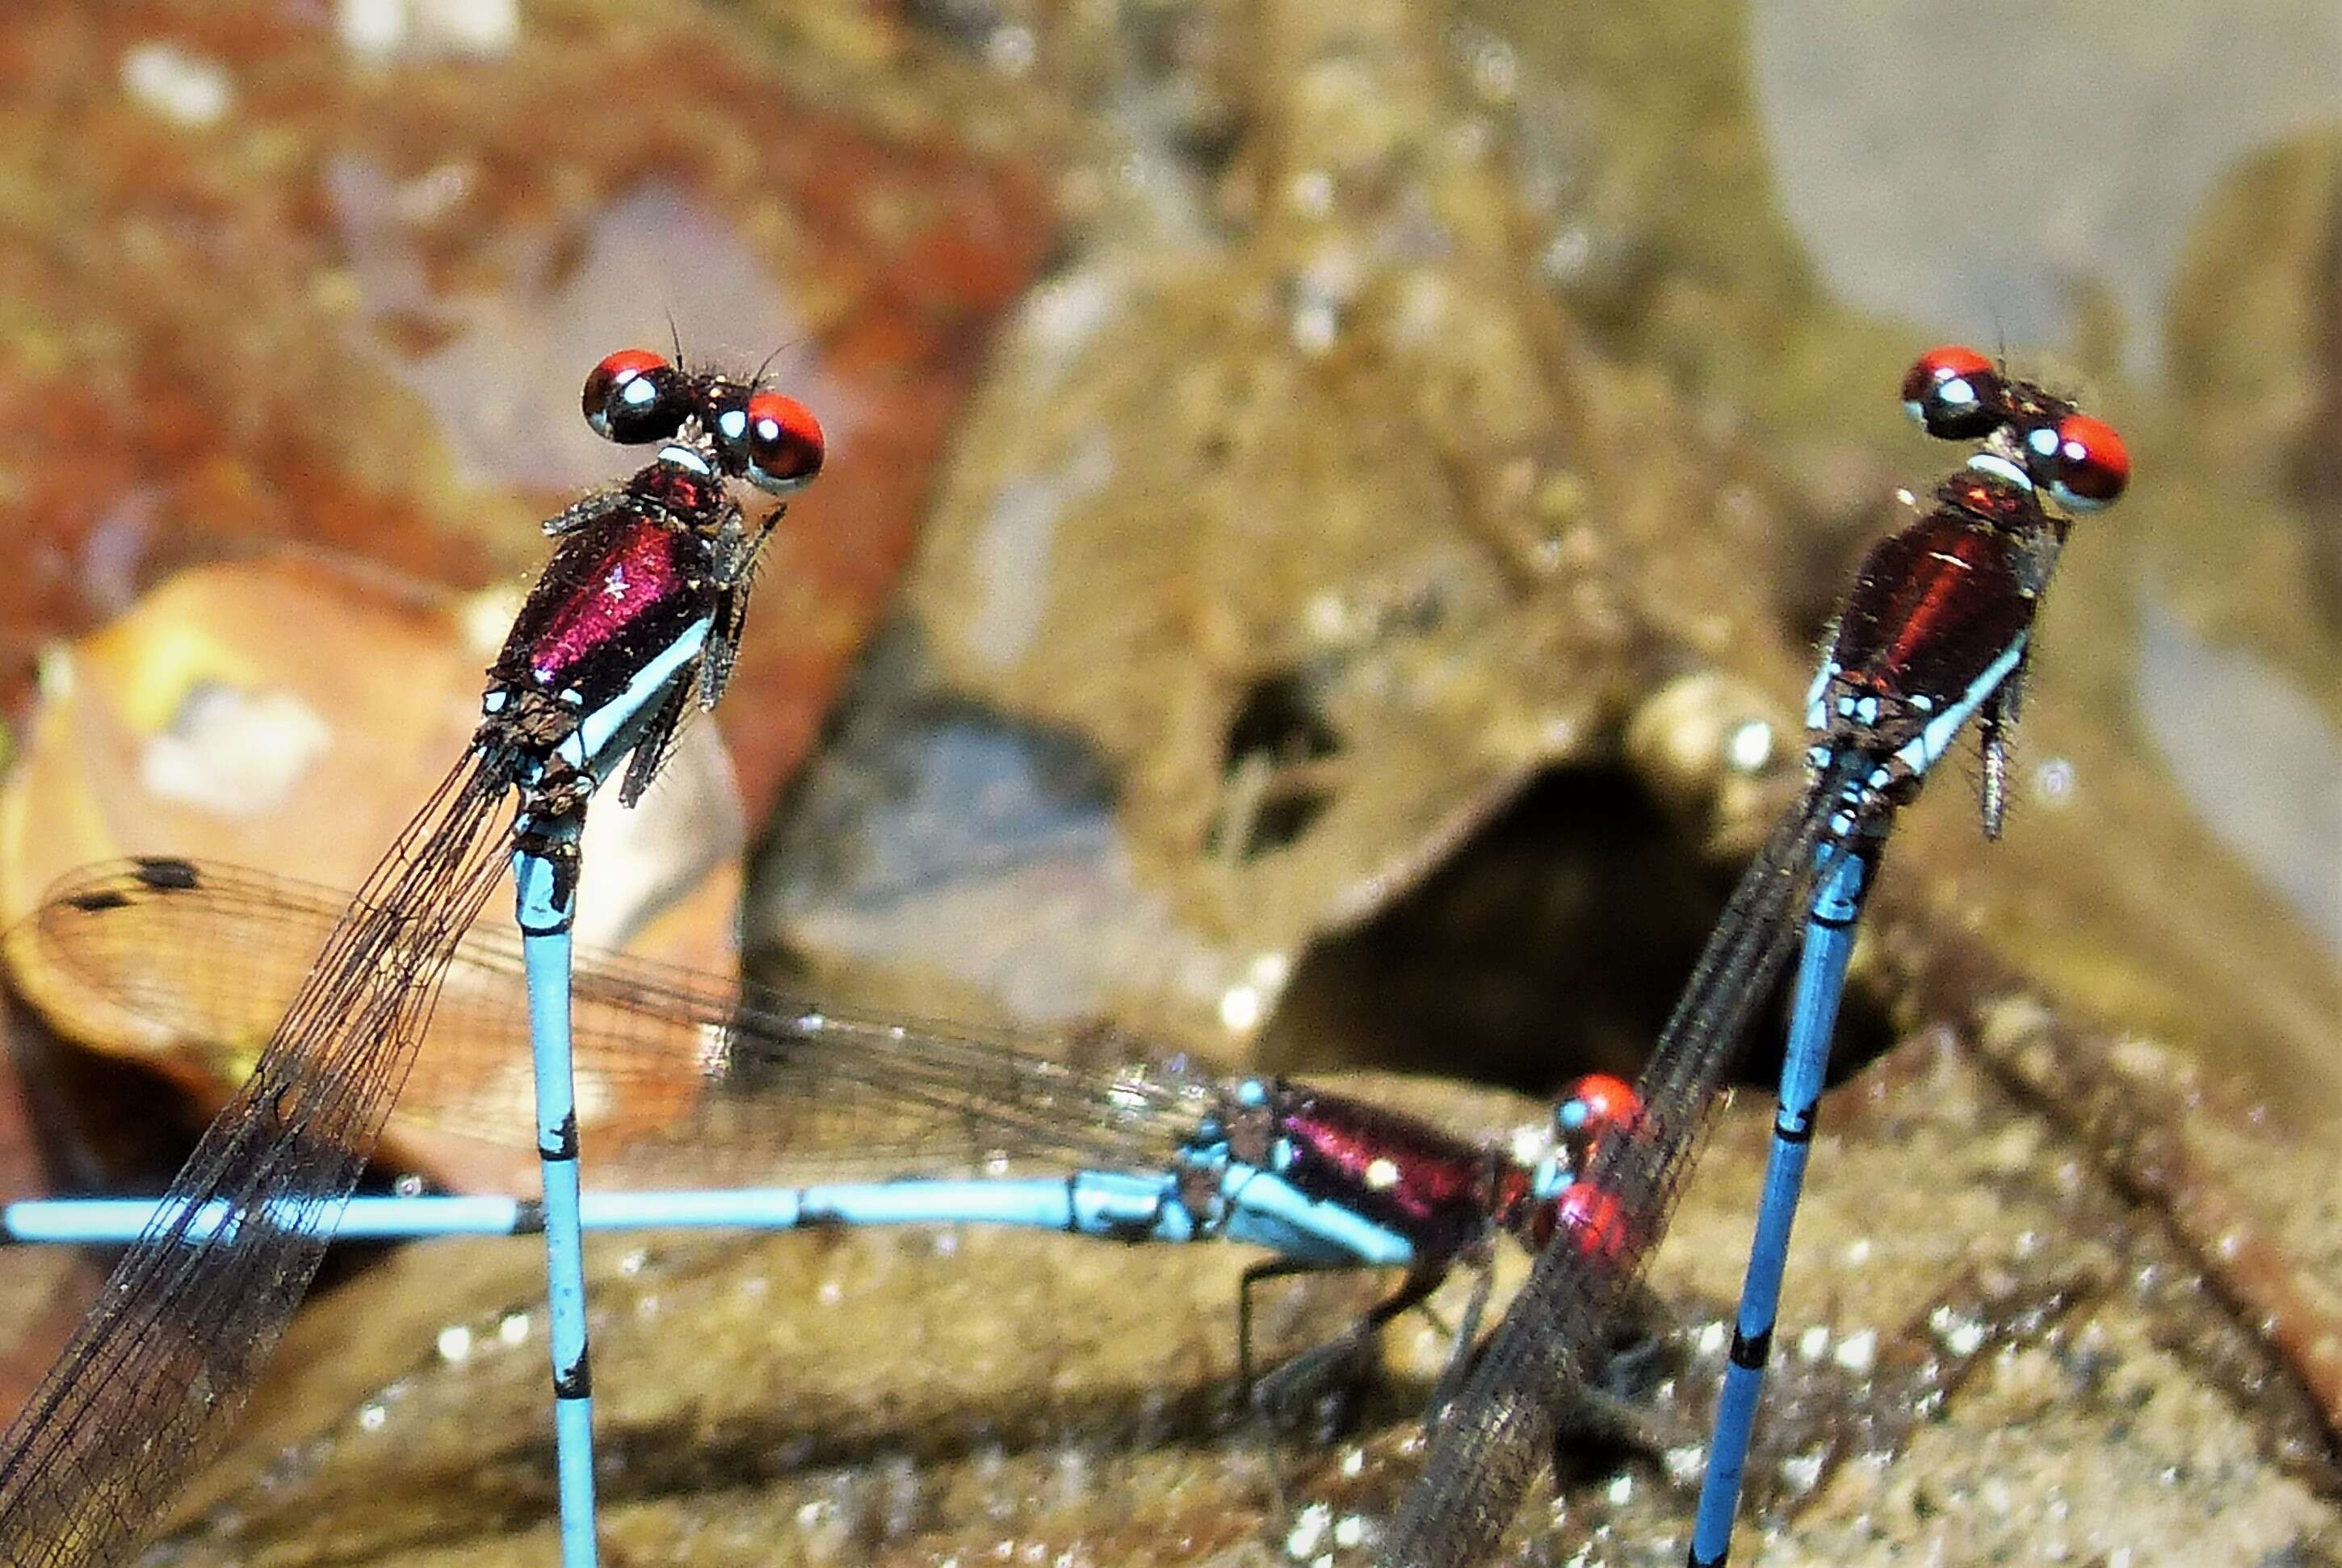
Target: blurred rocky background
column 1331, row 510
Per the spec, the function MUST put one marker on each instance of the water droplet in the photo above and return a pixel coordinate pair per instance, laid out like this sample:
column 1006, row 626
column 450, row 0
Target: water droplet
column 2054, row 782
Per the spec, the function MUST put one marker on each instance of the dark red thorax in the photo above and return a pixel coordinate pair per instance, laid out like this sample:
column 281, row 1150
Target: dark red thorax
column 614, row 596
column 1422, row 1182
column 1933, row 608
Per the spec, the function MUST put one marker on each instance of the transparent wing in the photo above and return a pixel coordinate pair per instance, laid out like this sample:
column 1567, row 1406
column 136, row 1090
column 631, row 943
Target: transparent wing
column 146, row 1389
column 1490, row 1441
column 682, row 1076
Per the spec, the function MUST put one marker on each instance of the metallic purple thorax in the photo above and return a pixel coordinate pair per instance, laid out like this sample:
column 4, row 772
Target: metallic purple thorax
column 1935, row 606
column 1402, row 1173
column 615, row 594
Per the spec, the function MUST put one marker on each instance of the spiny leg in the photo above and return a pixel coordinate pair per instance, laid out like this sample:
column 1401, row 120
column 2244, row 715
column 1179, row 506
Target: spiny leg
column 1316, row 1368
column 657, row 742
column 1996, row 720
column 737, row 560
column 586, row 511
column 1482, row 1262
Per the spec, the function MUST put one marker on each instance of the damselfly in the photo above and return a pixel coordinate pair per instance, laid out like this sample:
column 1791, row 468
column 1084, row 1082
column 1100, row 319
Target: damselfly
column 1935, row 632
column 871, row 1122
column 637, row 614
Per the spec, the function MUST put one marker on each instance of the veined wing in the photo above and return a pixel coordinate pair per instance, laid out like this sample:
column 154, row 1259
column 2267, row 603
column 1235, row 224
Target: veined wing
column 144, row 1392
column 681, row 1075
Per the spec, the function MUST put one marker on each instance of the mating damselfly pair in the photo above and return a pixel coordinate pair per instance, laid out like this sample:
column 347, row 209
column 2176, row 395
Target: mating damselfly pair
column 874, row 1121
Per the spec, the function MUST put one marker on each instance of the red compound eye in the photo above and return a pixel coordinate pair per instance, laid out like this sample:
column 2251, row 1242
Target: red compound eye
column 1954, row 393
column 1597, row 1104
column 1593, row 1217
column 2088, row 465
column 783, row 441
column 634, row 397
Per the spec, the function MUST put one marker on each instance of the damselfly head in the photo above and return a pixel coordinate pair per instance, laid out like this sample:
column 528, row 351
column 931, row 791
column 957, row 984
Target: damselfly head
column 2037, row 443
column 1555, row 1158
column 635, row 397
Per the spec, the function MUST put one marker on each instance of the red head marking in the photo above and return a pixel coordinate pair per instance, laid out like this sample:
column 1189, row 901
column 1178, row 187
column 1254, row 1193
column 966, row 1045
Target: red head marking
column 625, row 365
column 1941, row 364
